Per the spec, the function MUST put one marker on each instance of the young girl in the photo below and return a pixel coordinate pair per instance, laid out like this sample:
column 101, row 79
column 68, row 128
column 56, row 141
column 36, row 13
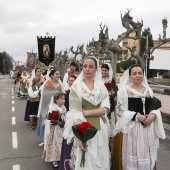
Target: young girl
column 66, row 148
column 34, row 98
column 54, row 132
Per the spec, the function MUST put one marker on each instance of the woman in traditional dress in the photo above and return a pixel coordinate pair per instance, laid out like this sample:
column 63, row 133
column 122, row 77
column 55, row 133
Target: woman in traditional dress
column 23, row 92
column 139, row 124
column 67, row 88
column 107, row 73
column 89, row 101
column 107, row 77
column 16, row 82
column 35, row 73
column 49, row 88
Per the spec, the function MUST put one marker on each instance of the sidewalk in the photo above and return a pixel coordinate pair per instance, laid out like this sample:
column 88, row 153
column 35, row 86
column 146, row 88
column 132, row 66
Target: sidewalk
column 165, row 99
column 1, row 77
column 165, row 106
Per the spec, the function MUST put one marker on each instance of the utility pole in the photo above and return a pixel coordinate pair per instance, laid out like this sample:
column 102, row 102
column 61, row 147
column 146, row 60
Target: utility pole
column 4, row 69
column 147, row 53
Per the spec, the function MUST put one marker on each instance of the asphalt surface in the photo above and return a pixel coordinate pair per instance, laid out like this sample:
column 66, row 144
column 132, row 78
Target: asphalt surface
column 28, row 155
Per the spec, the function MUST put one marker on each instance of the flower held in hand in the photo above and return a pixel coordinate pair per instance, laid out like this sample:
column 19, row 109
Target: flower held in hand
column 84, row 132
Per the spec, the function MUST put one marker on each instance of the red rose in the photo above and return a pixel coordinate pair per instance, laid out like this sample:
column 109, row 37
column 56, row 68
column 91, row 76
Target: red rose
column 84, row 132
column 54, row 116
column 67, row 91
column 83, row 126
column 109, row 84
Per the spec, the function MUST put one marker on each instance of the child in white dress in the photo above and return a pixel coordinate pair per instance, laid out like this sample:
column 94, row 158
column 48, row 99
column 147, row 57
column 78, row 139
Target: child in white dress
column 54, row 131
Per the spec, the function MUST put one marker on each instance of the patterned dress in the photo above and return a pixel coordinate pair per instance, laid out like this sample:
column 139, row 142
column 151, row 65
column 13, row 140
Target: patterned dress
column 53, row 136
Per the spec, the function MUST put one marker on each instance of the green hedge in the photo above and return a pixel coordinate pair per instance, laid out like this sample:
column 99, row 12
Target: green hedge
column 167, row 91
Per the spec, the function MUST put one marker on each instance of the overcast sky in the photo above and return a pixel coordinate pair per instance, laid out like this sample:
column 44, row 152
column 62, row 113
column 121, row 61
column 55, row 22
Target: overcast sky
column 73, row 22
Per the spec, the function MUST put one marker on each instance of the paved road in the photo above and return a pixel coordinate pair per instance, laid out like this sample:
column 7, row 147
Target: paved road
column 27, row 155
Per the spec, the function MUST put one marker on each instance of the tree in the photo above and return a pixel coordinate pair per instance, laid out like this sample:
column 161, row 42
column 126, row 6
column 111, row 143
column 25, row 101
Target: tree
column 6, row 62
column 146, row 32
column 145, row 46
column 146, row 43
column 126, row 64
column 111, row 47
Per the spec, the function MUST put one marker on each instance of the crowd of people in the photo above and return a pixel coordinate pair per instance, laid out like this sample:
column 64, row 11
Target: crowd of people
column 126, row 118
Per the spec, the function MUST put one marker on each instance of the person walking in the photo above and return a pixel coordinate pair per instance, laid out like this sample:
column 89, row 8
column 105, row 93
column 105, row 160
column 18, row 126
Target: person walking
column 34, row 98
column 54, row 130
column 89, row 102
column 139, row 124
column 49, row 88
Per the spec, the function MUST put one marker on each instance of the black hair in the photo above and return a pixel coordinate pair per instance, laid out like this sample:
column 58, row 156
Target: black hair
column 58, row 96
column 52, row 72
column 36, row 69
column 135, row 65
column 73, row 77
column 105, row 66
column 73, row 64
column 95, row 61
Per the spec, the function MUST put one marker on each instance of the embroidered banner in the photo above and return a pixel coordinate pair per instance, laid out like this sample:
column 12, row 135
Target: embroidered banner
column 46, row 49
column 31, row 59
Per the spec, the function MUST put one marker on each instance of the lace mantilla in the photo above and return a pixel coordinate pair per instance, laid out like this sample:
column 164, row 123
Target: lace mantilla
column 94, row 96
column 132, row 93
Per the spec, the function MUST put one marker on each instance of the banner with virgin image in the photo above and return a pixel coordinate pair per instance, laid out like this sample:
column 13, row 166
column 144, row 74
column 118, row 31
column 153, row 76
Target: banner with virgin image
column 31, row 60
column 46, row 49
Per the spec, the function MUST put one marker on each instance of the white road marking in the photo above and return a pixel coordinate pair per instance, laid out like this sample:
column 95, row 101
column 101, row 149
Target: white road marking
column 13, row 109
column 12, row 93
column 12, row 90
column 13, row 121
column 12, row 97
column 3, row 93
column 16, row 167
column 14, row 140
column 13, row 102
